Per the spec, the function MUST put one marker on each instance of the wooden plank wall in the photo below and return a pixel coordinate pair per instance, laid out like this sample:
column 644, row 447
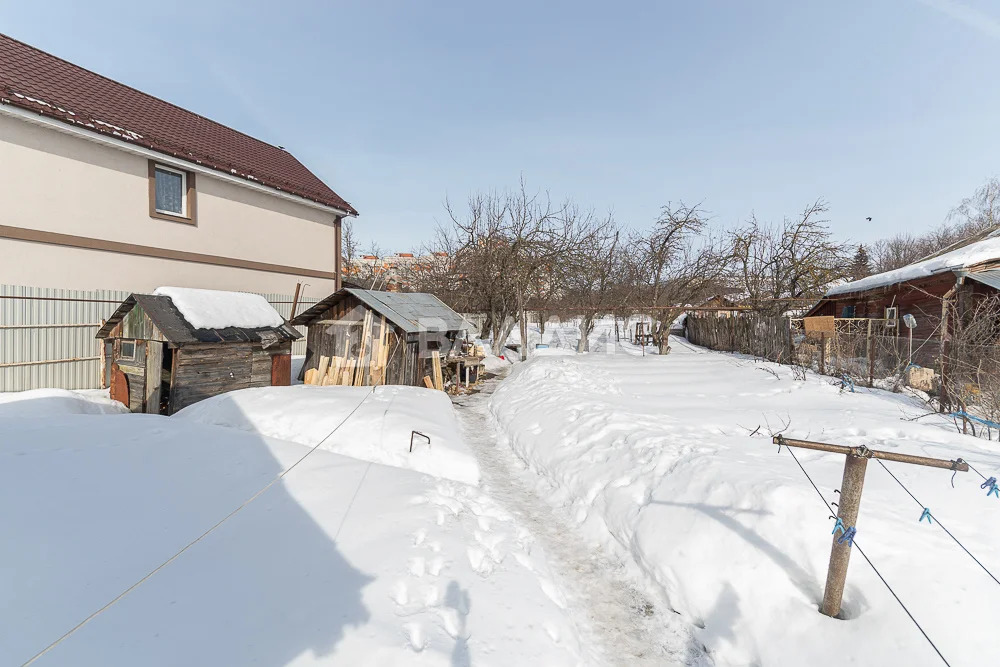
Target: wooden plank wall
column 202, row 371
column 340, row 327
column 154, row 367
column 920, row 298
column 260, row 368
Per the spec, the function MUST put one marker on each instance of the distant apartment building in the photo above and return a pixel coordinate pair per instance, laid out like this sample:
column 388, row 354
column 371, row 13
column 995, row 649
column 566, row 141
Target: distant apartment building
column 393, row 272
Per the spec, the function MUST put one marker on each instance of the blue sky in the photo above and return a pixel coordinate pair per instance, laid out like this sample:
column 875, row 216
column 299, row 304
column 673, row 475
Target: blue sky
column 885, row 108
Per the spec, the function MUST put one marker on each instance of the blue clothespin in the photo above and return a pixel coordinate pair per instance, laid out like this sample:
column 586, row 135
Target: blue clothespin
column 838, row 526
column 994, row 491
column 848, row 537
column 926, row 515
column 992, row 481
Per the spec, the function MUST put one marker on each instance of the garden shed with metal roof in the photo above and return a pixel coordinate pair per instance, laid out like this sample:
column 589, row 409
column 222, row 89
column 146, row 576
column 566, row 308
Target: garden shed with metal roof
column 369, row 337
column 165, row 351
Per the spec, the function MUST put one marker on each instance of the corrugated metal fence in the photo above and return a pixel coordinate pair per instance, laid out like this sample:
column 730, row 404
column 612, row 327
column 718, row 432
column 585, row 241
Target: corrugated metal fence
column 47, row 335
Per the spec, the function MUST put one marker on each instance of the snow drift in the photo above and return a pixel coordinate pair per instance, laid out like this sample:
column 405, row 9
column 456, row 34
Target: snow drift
column 52, row 402
column 342, row 562
column 380, row 430
column 660, row 458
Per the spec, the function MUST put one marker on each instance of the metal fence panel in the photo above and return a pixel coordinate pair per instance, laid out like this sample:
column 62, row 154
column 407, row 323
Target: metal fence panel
column 47, row 335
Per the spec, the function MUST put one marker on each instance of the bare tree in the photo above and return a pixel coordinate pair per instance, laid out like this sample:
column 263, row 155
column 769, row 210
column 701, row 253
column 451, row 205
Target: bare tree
column 972, row 379
column 972, row 219
column 673, row 265
column 501, row 245
column 348, row 242
column 369, row 270
column 980, row 212
column 778, row 266
column 592, row 272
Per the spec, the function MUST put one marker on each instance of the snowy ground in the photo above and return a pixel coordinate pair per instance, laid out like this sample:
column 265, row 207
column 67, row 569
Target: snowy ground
column 342, row 561
column 48, row 402
column 380, row 430
column 616, row 621
column 661, row 460
column 621, row 508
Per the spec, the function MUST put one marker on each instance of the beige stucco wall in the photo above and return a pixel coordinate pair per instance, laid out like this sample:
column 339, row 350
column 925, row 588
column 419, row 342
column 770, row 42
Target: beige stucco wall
column 57, row 182
column 41, row 265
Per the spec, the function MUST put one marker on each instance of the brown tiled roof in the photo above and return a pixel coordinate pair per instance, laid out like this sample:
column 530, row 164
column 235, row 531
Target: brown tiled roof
column 41, row 83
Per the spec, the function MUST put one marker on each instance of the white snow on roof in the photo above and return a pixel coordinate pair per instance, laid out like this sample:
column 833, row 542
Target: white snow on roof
column 214, row 309
column 970, row 255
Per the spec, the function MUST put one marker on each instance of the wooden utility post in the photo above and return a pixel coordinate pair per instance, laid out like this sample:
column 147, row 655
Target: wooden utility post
column 822, row 353
column 295, row 300
column 871, row 356
column 850, row 503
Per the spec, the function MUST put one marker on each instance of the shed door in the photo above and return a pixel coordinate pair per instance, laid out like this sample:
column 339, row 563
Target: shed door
column 119, row 385
column 281, row 370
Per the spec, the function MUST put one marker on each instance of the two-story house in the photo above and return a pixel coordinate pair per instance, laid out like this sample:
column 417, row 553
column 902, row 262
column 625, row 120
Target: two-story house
column 105, row 187
column 105, row 190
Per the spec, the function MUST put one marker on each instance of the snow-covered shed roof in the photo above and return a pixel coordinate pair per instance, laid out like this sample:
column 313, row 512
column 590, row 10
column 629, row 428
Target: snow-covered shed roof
column 41, row 83
column 206, row 316
column 413, row 312
column 965, row 258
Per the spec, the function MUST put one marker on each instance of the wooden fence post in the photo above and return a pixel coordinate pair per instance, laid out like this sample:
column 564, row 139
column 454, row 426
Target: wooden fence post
column 840, row 555
column 871, row 356
column 943, row 397
column 850, row 502
column 822, row 353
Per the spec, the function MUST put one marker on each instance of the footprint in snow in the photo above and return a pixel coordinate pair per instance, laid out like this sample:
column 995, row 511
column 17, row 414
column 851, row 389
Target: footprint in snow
column 415, row 636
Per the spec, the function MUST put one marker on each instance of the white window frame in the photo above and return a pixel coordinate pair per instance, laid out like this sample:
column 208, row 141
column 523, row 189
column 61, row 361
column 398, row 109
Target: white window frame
column 184, row 190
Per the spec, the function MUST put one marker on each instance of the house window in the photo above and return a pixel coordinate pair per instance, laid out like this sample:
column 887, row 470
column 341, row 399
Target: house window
column 128, row 350
column 848, row 312
column 171, row 193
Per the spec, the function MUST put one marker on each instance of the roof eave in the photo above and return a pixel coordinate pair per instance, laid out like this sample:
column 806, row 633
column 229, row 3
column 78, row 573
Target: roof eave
column 854, row 293
column 60, row 124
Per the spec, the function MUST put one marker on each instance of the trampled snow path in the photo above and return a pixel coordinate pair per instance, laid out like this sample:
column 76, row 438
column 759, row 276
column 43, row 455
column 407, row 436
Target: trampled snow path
column 617, row 624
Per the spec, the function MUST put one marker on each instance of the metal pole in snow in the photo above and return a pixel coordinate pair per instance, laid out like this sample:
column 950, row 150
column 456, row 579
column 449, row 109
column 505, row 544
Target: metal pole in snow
column 909, row 359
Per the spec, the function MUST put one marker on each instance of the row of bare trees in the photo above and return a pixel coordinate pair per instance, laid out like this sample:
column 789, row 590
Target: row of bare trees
column 517, row 251
column 973, row 217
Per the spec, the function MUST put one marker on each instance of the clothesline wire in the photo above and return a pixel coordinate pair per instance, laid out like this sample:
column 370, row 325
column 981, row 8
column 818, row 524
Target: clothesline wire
column 941, row 525
column 868, row 560
column 205, row 534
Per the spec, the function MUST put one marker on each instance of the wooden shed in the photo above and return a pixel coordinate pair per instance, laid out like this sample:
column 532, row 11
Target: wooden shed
column 156, row 361
column 380, row 337
column 940, row 292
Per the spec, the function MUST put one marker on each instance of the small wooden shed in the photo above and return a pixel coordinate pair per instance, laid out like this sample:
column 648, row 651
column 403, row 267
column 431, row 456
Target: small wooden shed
column 156, row 361
column 380, row 337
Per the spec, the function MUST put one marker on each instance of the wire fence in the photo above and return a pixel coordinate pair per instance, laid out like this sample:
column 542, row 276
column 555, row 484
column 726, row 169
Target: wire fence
column 959, row 371
column 47, row 335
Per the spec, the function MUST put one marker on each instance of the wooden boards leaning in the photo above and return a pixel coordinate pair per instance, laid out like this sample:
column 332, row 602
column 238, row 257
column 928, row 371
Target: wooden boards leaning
column 438, row 377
